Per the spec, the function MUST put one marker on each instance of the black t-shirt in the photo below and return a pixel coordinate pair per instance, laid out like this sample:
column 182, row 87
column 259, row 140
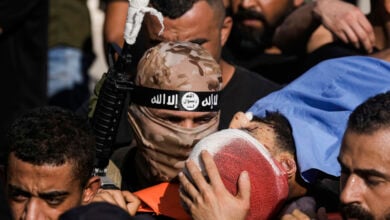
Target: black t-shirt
column 279, row 68
column 329, row 51
column 242, row 91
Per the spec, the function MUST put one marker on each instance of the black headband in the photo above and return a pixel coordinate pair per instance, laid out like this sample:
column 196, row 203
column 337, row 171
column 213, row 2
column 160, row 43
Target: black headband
column 175, row 100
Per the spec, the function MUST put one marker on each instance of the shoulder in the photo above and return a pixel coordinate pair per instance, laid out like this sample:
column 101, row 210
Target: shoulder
column 243, row 75
column 119, row 155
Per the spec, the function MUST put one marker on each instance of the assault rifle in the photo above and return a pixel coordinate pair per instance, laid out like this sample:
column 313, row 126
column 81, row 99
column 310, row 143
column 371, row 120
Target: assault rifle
column 114, row 95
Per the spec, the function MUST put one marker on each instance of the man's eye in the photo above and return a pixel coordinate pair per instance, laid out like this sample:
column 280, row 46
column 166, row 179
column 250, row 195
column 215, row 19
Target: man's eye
column 373, row 181
column 199, row 41
column 203, row 120
column 18, row 197
column 54, row 201
column 173, row 119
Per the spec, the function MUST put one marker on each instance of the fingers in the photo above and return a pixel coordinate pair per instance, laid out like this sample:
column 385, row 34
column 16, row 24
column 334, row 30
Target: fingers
column 367, row 36
column 187, row 200
column 360, row 34
column 300, row 215
column 347, row 22
column 123, row 199
column 244, row 187
column 296, row 215
column 187, row 191
column 111, row 196
column 198, row 179
column 132, row 202
column 240, row 120
column 190, row 191
column 288, row 217
column 211, row 169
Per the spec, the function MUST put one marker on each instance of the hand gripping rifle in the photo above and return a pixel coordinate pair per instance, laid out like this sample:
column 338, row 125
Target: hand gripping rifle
column 115, row 90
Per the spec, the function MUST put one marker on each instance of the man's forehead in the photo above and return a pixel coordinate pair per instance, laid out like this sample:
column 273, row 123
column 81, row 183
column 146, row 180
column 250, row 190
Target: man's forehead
column 263, row 132
column 42, row 179
column 364, row 150
column 22, row 169
column 200, row 16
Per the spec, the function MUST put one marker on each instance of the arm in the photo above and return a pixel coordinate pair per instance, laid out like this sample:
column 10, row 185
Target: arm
column 212, row 200
column 295, row 31
column 342, row 19
column 114, row 22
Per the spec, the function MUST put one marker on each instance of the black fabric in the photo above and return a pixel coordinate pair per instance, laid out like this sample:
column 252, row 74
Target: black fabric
column 284, row 68
column 326, row 192
column 329, row 51
column 175, row 100
column 23, row 59
column 279, row 68
column 242, row 91
column 123, row 158
column 96, row 211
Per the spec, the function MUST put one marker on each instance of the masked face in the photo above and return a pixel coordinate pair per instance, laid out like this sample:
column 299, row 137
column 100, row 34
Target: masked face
column 174, row 105
column 164, row 143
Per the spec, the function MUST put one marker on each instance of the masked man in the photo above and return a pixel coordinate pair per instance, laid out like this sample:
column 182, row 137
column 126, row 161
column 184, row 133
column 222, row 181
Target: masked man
column 175, row 103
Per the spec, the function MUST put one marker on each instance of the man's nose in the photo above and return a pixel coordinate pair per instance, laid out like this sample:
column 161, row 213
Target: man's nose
column 188, row 123
column 248, row 4
column 352, row 190
column 33, row 210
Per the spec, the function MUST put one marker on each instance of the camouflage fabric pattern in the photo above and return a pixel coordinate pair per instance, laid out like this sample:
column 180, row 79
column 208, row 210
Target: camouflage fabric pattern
column 164, row 146
column 182, row 66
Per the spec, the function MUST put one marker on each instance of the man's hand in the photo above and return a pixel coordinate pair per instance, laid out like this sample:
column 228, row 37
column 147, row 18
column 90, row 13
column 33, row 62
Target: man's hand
column 299, row 215
column 212, row 200
column 347, row 22
column 123, row 199
column 296, row 215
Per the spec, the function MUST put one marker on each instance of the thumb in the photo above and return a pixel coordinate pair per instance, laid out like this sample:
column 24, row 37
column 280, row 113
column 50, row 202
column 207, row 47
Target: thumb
column 244, row 187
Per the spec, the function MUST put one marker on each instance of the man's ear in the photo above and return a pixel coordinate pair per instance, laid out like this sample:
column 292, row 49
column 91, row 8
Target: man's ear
column 289, row 165
column 225, row 30
column 91, row 189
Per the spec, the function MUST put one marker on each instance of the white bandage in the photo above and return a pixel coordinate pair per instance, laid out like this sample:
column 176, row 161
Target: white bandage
column 135, row 15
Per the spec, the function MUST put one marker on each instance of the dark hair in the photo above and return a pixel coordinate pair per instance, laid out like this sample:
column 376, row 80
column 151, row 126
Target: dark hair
column 176, row 8
column 282, row 128
column 371, row 115
column 54, row 136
